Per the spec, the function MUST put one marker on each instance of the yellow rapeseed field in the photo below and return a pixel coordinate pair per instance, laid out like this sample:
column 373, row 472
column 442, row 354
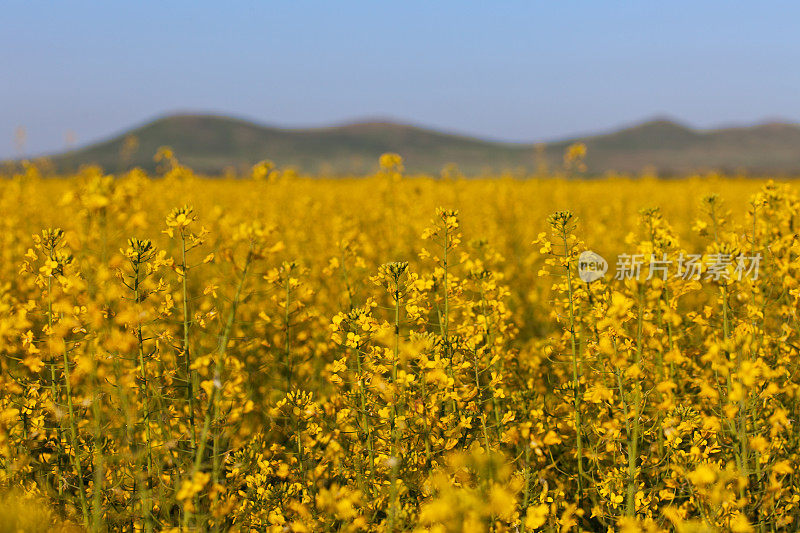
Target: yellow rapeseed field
column 282, row 353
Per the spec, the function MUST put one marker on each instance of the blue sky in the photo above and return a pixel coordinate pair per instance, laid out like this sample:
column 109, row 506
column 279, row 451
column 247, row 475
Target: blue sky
column 509, row 70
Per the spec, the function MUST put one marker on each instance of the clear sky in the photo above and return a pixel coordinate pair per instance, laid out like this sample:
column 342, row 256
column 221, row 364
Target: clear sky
column 507, row 70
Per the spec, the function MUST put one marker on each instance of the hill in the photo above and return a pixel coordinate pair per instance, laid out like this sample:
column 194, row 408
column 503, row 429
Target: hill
column 211, row 144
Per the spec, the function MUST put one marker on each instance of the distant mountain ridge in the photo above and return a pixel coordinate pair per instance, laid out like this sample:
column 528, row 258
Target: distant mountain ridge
column 211, row 144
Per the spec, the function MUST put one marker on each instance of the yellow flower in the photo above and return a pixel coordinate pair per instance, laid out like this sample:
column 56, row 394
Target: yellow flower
column 191, row 487
column 702, row 475
column 536, row 516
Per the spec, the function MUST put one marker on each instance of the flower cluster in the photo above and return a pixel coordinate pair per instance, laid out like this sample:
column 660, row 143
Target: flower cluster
column 294, row 354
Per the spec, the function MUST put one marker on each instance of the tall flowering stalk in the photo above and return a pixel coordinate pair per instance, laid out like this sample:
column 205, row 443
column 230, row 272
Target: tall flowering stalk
column 52, row 274
column 179, row 226
column 393, row 277
column 562, row 224
column 445, row 232
column 140, row 254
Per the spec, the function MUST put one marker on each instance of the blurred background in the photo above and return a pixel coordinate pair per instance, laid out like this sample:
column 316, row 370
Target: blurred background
column 658, row 76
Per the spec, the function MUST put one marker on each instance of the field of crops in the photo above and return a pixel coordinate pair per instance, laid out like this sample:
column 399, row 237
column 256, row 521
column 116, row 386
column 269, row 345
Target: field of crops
column 397, row 353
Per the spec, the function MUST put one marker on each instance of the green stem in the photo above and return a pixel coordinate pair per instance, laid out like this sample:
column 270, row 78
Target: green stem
column 186, row 350
column 287, row 339
column 365, row 418
column 575, row 371
column 55, row 391
column 147, row 511
column 212, row 413
column 633, row 447
column 73, row 432
column 99, row 467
